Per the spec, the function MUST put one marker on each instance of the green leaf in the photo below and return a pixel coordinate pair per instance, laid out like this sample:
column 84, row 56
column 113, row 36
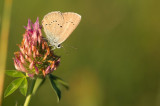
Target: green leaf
column 61, row 81
column 13, row 86
column 54, row 86
column 24, row 86
column 14, row 73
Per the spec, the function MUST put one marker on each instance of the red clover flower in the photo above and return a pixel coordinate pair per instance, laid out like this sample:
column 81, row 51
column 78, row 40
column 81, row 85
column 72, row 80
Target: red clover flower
column 35, row 56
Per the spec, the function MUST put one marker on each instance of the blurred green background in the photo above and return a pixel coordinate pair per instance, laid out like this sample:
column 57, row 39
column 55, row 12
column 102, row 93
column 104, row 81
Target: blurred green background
column 111, row 59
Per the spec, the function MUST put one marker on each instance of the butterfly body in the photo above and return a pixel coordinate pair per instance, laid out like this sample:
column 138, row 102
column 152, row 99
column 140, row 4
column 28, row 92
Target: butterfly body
column 58, row 26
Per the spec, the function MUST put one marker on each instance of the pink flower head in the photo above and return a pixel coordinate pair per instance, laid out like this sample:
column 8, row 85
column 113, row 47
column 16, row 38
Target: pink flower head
column 35, row 56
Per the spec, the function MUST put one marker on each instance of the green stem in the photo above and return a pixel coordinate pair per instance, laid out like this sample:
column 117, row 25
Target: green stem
column 28, row 98
column 36, row 83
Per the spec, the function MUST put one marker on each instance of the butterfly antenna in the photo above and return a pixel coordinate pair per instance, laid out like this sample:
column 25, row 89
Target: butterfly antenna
column 69, row 46
column 66, row 51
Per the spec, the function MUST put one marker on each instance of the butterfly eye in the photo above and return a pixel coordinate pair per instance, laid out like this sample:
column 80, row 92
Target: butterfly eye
column 59, row 46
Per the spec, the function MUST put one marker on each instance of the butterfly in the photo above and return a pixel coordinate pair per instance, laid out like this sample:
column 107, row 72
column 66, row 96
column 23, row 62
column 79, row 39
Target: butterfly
column 58, row 26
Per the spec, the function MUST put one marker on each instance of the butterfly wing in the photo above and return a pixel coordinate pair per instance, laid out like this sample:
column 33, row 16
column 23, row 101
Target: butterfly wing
column 52, row 23
column 71, row 21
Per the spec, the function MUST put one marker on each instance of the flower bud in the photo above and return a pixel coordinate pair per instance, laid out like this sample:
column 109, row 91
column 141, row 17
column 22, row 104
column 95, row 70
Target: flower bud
column 31, row 65
column 16, row 65
column 47, row 70
column 36, row 69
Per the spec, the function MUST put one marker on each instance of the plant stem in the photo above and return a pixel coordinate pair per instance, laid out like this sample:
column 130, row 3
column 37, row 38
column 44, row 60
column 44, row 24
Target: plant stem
column 36, row 83
column 28, row 98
